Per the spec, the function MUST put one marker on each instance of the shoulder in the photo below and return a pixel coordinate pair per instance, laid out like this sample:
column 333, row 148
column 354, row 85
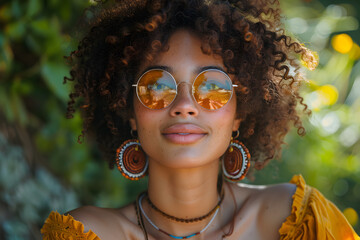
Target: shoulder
column 274, row 202
column 270, row 205
column 101, row 220
column 272, row 198
column 90, row 216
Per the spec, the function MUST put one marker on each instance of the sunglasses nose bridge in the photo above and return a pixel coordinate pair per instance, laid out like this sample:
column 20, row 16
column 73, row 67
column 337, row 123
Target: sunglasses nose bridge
column 184, row 104
column 184, row 91
column 183, row 83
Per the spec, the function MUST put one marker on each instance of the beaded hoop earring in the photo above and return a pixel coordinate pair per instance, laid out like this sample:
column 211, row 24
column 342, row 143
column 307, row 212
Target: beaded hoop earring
column 131, row 160
column 236, row 161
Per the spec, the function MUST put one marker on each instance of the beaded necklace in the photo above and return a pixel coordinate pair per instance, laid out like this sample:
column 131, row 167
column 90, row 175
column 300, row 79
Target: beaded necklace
column 170, row 235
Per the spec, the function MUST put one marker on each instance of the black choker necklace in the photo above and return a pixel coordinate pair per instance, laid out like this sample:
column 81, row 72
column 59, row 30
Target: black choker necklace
column 186, row 220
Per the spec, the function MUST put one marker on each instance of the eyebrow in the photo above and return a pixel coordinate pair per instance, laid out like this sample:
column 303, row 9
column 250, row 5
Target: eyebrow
column 166, row 68
column 201, row 69
column 170, row 69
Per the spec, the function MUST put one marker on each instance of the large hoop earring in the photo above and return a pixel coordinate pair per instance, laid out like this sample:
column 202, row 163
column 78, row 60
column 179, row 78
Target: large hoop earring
column 131, row 160
column 236, row 161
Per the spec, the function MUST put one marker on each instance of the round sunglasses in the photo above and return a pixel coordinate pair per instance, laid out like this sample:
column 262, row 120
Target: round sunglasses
column 157, row 89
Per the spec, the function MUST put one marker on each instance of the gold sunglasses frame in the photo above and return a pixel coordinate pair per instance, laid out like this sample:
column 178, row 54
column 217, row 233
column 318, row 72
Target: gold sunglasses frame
column 192, row 86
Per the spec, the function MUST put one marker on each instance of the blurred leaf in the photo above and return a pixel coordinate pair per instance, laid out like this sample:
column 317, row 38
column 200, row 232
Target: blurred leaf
column 16, row 8
column 15, row 229
column 53, row 74
column 34, row 44
column 21, row 87
column 6, row 55
column 5, row 13
column 43, row 144
column 5, row 105
column 16, row 30
column 41, row 27
column 347, row 24
column 19, row 109
column 53, row 47
column 33, row 8
column 64, row 10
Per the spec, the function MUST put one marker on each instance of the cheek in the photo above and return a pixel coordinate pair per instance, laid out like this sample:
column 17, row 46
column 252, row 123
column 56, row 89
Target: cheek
column 147, row 122
column 222, row 123
column 222, row 127
column 142, row 115
column 228, row 114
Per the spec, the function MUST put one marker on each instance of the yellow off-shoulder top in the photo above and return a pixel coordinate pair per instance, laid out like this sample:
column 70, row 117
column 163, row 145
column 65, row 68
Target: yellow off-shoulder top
column 312, row 217
column 63, row 227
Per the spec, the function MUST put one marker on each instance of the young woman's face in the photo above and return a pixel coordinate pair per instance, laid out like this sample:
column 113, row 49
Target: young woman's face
column 184, row 134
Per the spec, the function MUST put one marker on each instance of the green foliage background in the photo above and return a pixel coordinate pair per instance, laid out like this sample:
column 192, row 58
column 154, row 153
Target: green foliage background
column 43, row 168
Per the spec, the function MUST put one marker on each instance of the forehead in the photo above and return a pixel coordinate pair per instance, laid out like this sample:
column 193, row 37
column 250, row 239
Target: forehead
column 184, row 51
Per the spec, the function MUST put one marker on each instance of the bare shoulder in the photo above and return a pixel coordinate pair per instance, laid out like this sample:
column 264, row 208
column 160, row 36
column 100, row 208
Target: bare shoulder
column 101, row 220
column 93, row 218
column 276, row 201
column 278, row 193
column 89, row 216
column 270, row 204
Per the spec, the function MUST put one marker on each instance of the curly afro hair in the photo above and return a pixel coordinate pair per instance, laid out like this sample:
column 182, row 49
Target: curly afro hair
column 247, row 34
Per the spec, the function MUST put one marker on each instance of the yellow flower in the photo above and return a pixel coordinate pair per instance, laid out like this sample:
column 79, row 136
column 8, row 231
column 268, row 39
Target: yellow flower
column 351, row 215
column 342, row 43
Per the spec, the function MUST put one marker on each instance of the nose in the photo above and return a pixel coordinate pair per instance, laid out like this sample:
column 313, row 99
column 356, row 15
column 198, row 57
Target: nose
column 184, row 104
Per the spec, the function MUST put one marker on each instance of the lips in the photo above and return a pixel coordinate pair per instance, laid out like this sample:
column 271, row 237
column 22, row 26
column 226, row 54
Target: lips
column 183, row 133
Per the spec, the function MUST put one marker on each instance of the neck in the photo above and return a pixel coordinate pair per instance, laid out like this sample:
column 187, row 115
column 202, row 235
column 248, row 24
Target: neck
column 183, row 193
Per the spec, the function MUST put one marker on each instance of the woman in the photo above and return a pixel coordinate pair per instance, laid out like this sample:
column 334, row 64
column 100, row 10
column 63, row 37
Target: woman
column 171, row 89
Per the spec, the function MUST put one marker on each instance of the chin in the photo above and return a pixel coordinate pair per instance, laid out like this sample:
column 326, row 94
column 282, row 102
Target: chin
column 186, row 159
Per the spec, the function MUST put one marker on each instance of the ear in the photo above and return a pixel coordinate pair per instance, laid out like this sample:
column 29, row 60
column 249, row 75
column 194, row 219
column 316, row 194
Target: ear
column 236, row 124
column 133, row 124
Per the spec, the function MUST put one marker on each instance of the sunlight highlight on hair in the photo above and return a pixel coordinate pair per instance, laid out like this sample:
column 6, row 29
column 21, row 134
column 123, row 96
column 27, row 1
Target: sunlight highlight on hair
column 310, row 59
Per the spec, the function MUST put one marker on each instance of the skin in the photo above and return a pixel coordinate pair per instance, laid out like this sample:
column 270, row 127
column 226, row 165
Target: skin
column 183, row 176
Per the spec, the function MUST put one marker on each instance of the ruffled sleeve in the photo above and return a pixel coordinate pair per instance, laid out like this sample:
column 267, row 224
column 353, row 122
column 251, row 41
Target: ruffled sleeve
column 59, row 226
column 314, row 217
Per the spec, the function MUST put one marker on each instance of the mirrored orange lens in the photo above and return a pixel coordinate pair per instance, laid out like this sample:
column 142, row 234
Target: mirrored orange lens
column 156, row 89
column 212, row 89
